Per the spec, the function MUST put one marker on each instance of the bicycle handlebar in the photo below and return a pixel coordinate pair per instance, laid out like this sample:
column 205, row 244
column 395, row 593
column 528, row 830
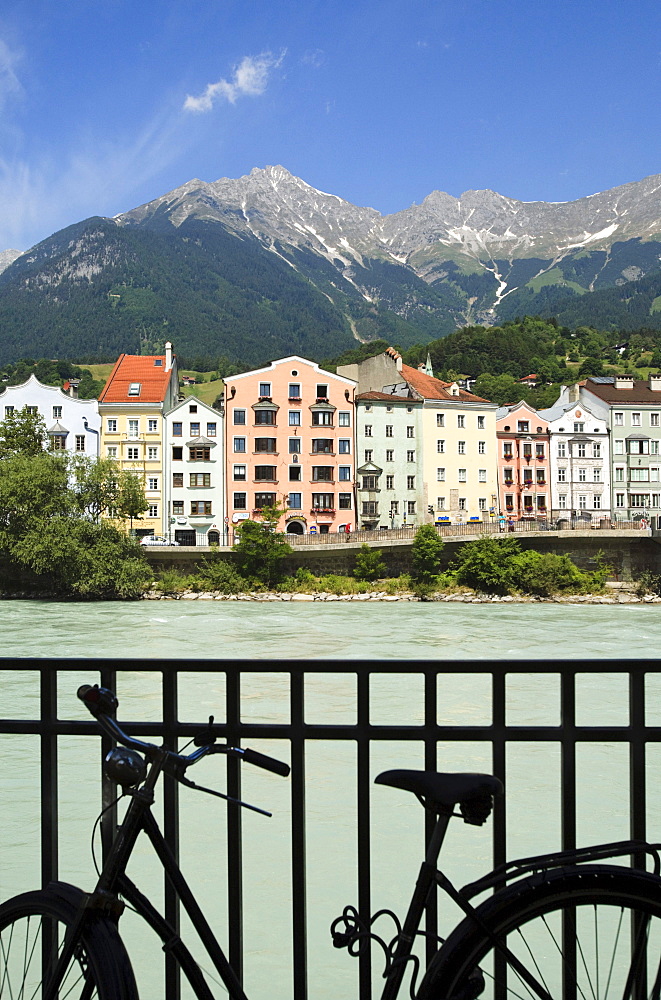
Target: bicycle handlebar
column 101, row 702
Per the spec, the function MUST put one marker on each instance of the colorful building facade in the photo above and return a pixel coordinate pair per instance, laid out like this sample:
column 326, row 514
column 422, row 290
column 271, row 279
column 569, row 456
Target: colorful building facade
column 194, row 487
column 72, row 425
column 289, row 440
column 524, row 462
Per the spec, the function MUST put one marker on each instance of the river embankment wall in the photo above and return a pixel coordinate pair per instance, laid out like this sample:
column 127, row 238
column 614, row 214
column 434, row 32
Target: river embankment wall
column 629, row 553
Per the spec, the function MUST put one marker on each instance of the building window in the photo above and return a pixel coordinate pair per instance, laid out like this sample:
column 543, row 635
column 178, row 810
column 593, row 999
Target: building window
column 195, row 430
column 152, row 483
column 134, row 390
column 562, row 501
column 177, row 507
column 482, row 503
column 368, row 454
column 618, row 419
column 240, row 501
column 264, row 500
column 294, row 502
column 192, row 408
column 527, row 451
column 480, row 423
column 323, row 501
column 539, row 450
column 199, row 454
column 239, row 417
column 152, row 510
column 440, row 447
column 111, row 451
column 294, row 418
column 582, row 502
column 111, row 425
column 295, row 446
column 596, row 450
column 57, row 412
column 177, row 429
column 368, row 430
column 211, row 430
column 638, row 447
column 344, row 446
column 481, row 447
column 265, row 389
column 508, row 476
column 579, row 427
column 322, row 391
column 344, row 473
column 132, row 454
column 410, row 432
column 294, row 390
column 596, row 502
column 619, row 474
column 295, row 474
column 461, row 447
column 410, row 482
column 654, row 419
column 388, row 430
column 344, row 419
column 481, row 475
column 267, row 417
column 562, row 449
column 440, row 420
column 152, row 453
column 390, row 482
column 635, row 419
column 619, row 500
column 410, row 456
column 177, row 479
column 462, row 503
column 596, row 475
column 654, row 447
column 410, row 506
column 199, row 479
column 582, row 475
column 440, row 503
column 200, row 507
column 265, row 444
column 152, row 426
column 177, row 454
column 507, row 450
column 394, row 508
column 440, row 475
column 541, row 476
column 10, row 409
column 390, row 456
column 581, row 451
column 370, row 508
column 344, row 501
column 541, row 501
column 322, row 473
column 370, row 482
column 324, row 418
column 639, row 475
column 265, row 472
column 134, row 428
column 461, row 420
column 80, row 442
column 523, row 426
column 618, row 446
column 461, row 475
column 322, row 446
column 527, row 477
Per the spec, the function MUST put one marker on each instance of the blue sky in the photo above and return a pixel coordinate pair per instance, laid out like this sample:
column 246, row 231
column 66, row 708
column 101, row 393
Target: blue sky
column 106, row 104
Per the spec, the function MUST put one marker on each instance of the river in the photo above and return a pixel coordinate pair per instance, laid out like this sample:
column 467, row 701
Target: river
column 225, row 630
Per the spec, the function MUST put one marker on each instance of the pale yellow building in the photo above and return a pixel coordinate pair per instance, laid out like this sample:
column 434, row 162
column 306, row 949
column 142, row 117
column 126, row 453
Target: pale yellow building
column 139, row 391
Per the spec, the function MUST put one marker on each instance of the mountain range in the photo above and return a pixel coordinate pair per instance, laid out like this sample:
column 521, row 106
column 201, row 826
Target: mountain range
column 264, row 265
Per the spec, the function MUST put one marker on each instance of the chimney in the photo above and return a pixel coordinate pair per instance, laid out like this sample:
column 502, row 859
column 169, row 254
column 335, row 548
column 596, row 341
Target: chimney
column 655, row 382
column 574, row 393
column 168, row 356
column 624, row 381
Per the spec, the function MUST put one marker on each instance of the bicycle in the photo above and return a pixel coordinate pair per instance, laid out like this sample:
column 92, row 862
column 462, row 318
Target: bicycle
column 556, row 925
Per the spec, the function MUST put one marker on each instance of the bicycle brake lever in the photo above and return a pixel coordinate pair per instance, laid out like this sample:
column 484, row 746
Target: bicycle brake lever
column 206, row 737
column 221, row 795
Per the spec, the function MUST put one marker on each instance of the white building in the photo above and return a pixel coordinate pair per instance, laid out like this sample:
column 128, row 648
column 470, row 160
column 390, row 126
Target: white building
column 580, row 461
column 72, row 424
column 194, row 487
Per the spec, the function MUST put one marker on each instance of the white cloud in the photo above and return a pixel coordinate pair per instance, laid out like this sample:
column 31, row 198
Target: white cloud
column 9, row 81
column 250, row 79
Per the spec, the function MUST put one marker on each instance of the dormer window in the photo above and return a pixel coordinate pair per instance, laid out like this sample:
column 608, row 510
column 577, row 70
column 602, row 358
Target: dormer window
column 134, row 389
column 158, row 362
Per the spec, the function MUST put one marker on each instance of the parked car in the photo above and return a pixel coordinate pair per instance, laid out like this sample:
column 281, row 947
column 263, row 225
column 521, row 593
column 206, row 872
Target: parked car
column 157, row 540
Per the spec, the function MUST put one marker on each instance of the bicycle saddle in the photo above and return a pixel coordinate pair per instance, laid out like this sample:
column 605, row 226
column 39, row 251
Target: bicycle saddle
column 473, row 793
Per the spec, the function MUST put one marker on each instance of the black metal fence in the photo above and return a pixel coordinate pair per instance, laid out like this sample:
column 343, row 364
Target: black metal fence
column 636, row 727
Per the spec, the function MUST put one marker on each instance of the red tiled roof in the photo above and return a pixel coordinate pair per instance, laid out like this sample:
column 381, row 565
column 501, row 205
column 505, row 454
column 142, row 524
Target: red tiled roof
column 641, row 392
column 130, row 368
column 434, row 388
column 372, row 394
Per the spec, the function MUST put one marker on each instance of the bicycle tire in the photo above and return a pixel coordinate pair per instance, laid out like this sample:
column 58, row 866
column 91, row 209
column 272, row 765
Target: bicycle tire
column 29, row 923
column 612, row 930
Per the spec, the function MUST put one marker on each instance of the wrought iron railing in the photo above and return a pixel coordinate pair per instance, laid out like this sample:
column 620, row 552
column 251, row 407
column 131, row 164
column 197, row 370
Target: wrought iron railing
column 572, row 724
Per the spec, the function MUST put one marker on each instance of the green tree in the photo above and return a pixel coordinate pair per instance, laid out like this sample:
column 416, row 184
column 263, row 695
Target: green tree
column 369, row 564
column 131, row 501
column 22, row 433
column 260, row 550
column 426, row 554
column 487, row 565
column 102, row 488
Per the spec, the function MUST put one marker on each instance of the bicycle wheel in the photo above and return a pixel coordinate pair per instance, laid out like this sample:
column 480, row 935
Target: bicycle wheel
column 582, row 933
column 32, row 929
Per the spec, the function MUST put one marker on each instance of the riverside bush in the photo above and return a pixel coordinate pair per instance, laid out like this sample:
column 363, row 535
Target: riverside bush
column 498, row 566
column 369, row 565
column 216, row 572
column 426, row 555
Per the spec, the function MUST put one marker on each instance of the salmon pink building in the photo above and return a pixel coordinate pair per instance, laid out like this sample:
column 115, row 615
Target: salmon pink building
column 289, row 431
column 524, row 477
